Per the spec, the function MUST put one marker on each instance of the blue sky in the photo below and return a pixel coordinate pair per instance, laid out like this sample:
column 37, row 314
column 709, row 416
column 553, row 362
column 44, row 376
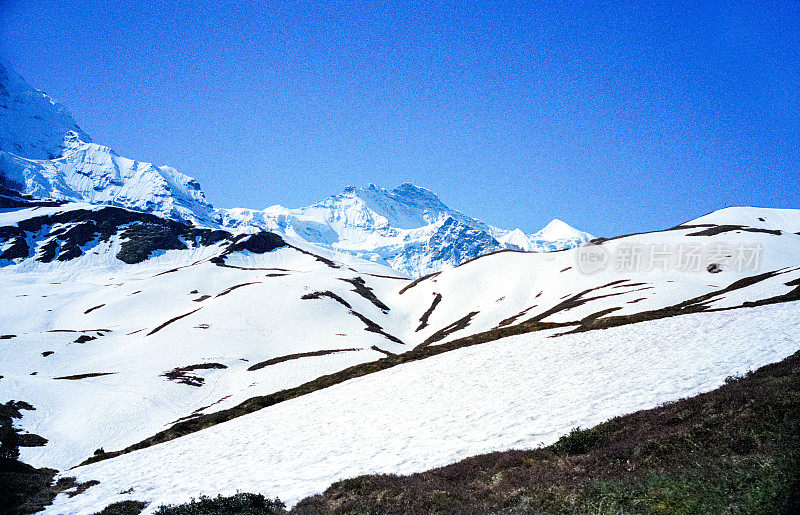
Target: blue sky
column 614, row 117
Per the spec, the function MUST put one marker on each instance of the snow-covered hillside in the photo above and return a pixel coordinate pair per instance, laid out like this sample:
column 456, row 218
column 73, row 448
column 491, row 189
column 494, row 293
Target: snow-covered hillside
column 407, row 228
column 519, row 392
column 142, row 325
column 728, row 258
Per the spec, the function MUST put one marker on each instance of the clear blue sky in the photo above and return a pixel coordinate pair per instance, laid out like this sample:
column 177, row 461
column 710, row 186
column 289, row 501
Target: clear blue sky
column 615, row 118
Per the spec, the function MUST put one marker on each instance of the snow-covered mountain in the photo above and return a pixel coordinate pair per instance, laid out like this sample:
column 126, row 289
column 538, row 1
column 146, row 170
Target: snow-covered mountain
column 44, row 153
column 92, row 173
column 32, row 125
column 407, row 228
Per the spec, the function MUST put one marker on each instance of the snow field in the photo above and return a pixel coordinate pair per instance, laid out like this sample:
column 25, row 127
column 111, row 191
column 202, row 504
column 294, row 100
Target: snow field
column 518, row 392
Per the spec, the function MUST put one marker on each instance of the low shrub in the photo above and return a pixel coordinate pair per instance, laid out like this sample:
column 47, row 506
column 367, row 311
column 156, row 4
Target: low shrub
column 240, row 504
column 579, row 441
column 123, row 508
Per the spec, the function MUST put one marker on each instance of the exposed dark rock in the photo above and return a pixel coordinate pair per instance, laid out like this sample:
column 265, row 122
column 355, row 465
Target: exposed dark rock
column 510, row 320
column 183, row 375
column 319, row 294
column 47, row 252
column 228, row 290
column 720, row 229
column 19, row 246
column 365, row 291
column 423, row 320
column 375, row 328
column 142, row 235
column 417, row 281
column 382, row 351
column 258, row 243
column 92, row 309
column 281, row 359
column 171, row 320
column 85, row 376
column 444, row 332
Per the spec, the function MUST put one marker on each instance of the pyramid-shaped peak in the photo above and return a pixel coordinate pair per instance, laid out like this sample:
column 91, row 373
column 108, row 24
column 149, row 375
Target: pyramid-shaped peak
column 560, row 230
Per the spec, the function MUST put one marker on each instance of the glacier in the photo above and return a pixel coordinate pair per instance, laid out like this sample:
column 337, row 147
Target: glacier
column 408, row 229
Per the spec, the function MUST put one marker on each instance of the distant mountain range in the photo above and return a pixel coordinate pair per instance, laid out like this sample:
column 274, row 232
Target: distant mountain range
column 44, row 153
column 407, row 228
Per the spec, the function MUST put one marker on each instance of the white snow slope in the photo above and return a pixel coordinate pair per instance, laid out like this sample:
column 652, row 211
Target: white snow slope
column 519, row 391
column 234, row 316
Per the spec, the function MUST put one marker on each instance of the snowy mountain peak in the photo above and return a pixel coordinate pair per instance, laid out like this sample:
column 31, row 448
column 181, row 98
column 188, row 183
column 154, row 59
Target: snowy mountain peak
column 407, row 228
column 416, row 193
column 558, row 230
column 406, row 193
column 73, row 140
column 405, row 207
column 44, row 153
column 32, row 125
